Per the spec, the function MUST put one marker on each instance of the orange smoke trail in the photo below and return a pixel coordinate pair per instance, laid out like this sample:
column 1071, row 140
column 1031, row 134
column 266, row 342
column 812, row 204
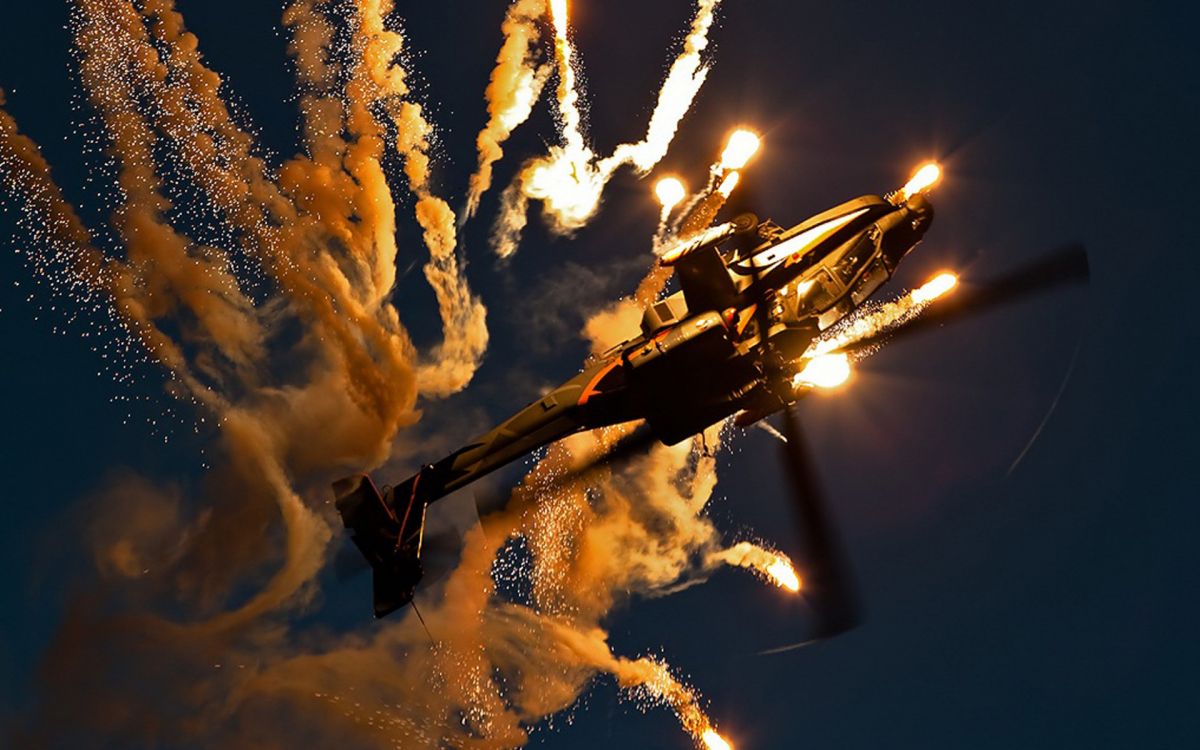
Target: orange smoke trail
column 320, row 230
column 515, row 86
column 463, row 315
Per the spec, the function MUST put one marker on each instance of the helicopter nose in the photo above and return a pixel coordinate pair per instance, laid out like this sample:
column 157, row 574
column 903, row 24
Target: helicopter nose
column 906, row 228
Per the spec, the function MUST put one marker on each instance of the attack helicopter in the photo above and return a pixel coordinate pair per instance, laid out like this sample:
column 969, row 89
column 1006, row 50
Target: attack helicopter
column 734, row 342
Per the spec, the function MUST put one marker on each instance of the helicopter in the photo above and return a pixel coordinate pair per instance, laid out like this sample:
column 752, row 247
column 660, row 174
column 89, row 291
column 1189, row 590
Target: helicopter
column 733, row 342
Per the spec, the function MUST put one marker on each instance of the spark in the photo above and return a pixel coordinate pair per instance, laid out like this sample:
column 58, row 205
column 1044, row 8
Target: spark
column 568, row 97
column 825, row 371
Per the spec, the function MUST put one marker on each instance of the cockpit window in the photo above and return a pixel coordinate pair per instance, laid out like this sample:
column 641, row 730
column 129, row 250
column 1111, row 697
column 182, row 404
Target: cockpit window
column 871, row 280
column 800, row 243
column 853, row 261
column 824, row 292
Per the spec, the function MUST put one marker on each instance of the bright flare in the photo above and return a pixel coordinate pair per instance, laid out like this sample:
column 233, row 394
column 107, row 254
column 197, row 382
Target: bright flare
column 670, row 192
column 771, row 565
column 824, row 371
column 729, row 184
column 934, row 288
column 922, row 182
column 714, row 741
column 782, row 573
column 740, row 148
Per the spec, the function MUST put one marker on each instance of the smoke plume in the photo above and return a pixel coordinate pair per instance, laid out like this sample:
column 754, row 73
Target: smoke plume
column 278, row 328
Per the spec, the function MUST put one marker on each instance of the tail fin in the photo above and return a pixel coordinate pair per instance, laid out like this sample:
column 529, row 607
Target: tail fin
column 388, row 529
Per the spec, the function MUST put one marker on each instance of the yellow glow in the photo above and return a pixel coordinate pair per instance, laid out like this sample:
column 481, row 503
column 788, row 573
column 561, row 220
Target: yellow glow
column 922, row 181
column 729, row 184
column 714, row 741
column 783, row 574
column 739, row 149
column 939, row 285
column 670, row 192
column 824, row 371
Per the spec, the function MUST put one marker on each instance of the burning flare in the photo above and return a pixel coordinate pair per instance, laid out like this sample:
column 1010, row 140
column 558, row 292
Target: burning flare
column 922, row 181
column 936, row 287
column 824, row 371
column 670, row 192
column 714, row 741
column 772, row 566
column 740, row 149
column 729, row 184
column 784, row 575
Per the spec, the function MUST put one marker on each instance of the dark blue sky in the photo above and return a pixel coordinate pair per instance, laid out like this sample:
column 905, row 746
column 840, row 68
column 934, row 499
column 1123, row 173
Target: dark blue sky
column 1050, row 606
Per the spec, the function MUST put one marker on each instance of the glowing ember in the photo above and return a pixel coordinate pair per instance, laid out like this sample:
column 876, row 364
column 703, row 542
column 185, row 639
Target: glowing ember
column 922, row 182
column 934, row 288
column 729, row 184
column 824, row 371
column 670, row 192
column 714, row 741
column 741, row 147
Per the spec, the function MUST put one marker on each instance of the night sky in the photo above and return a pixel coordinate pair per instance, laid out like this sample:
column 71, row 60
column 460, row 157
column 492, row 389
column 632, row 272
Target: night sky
column 1042, row 603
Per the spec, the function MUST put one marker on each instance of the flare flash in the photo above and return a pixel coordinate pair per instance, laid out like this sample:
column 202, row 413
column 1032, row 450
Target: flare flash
column 824, row 371
column 670, row 192
column 938, row 286
column 922, row 181
column 739, row 149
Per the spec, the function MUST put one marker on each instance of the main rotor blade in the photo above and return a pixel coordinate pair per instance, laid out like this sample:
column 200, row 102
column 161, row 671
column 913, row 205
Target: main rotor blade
column 1067, row 265
column 828, row 582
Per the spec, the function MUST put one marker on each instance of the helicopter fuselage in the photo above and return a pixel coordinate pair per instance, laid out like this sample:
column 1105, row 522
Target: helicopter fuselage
column 727, row 341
